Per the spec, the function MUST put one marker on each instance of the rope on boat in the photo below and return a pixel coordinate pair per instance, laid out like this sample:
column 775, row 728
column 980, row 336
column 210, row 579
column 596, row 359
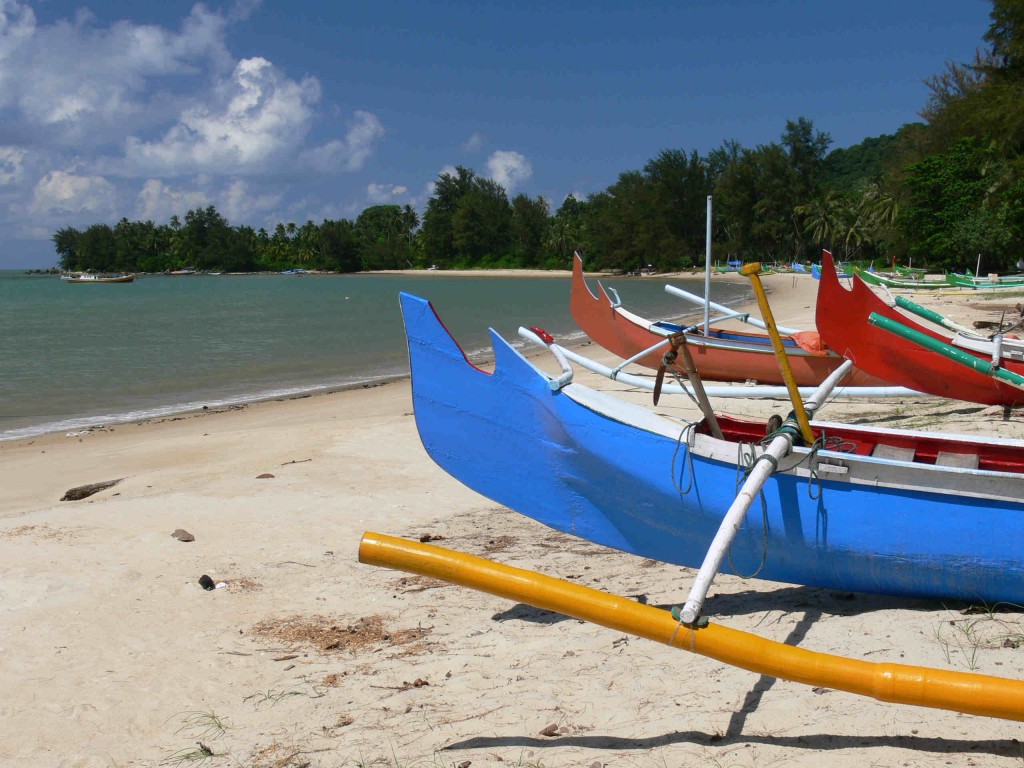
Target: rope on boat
column 689, row 432
column 747, row 461
column 668, row 361
column 822, row 443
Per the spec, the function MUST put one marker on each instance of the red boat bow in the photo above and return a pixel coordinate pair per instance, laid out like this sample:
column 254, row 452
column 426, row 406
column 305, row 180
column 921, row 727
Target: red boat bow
column 841, row 316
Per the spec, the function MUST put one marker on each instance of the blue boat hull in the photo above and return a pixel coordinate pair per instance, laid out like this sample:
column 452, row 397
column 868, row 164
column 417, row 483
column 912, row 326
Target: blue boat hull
column 573, row 467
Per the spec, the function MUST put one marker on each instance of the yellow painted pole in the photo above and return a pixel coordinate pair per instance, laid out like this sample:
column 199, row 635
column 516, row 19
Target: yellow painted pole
column 753, row 271
column 900, row 683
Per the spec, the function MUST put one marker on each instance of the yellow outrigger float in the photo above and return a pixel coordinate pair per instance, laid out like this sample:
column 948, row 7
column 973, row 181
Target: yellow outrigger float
column 900, row 683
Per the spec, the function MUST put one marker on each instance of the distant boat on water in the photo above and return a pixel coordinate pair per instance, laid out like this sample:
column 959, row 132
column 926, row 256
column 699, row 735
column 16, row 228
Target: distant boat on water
column 297, row 271
column 84, row 277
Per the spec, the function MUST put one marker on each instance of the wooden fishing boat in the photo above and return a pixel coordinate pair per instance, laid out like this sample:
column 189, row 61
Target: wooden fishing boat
column 816, row 273
column 900, row 283
column 719, row 355
column 864, row 509
column 85, row 277
column 842, row 320
column 983, row 283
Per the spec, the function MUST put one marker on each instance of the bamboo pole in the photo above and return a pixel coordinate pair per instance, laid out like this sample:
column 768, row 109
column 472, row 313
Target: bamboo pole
column 898, row 683
column 927, row 342
column 753, row 272
column 727, row 390
column 932, row 316
column 695, row 299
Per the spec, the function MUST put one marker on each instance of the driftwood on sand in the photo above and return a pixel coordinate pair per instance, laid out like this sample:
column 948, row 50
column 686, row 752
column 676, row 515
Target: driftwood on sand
column 84, row 491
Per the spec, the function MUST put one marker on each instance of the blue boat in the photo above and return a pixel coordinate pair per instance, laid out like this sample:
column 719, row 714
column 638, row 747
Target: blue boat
column 871, row 510
column 816, row 273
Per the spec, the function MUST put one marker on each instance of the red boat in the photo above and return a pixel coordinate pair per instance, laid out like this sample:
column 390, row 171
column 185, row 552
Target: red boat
column 719, row 355
column 842, row 319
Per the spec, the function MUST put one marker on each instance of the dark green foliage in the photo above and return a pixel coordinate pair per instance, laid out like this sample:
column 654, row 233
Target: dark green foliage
column 339, row 246
column 846, row 168
column 96, row 246
column 438, row 233
column 952, row 215
column 529, row 230
column 65, row 242
column 384, row 237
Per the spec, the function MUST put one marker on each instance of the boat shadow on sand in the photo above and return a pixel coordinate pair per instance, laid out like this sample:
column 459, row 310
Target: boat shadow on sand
column 785, row 599
column 814, row 603
column 734, row 735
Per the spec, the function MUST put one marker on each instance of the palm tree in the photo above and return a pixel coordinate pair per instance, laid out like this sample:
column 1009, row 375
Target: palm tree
column 822, row 218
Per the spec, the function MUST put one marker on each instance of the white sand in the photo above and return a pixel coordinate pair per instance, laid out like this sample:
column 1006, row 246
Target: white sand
column 112, row 655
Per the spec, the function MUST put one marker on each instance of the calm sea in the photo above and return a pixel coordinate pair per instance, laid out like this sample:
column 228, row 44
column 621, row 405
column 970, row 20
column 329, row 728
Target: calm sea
column 78, row 355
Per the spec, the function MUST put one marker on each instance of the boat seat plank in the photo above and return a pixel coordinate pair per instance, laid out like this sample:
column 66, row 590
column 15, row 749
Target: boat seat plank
column 960, row 460
column 893, row 452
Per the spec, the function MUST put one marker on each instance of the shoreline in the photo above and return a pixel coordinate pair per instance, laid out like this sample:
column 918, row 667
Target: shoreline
column 74, row 425
column 113, row 654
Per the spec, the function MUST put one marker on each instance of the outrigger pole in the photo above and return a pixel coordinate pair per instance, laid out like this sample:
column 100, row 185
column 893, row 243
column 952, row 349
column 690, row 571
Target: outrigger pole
column 946, row 350
column 965, row 692
column 766, row 464
column 763, row 468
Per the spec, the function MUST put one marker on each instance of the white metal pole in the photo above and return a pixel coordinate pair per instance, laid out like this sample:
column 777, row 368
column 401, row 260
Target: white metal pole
column 730, row 526
column 707, row 271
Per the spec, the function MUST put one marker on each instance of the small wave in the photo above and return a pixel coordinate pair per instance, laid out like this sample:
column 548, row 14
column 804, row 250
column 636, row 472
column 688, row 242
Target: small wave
column 83, row 424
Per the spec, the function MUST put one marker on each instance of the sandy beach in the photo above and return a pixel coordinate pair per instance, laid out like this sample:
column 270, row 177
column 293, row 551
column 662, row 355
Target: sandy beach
column 112, row 654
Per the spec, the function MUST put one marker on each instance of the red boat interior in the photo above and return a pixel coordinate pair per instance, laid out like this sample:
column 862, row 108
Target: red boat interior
column 902, row 447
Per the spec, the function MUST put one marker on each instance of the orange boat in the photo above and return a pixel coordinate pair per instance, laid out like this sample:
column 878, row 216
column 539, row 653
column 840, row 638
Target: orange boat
column 719, row 355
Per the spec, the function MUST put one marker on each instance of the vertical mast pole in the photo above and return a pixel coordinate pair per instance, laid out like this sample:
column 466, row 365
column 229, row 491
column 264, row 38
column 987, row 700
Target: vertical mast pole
column 707, row 273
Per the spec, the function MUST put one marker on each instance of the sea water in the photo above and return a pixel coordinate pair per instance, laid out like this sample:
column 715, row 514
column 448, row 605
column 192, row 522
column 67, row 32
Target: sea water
column 79, row 355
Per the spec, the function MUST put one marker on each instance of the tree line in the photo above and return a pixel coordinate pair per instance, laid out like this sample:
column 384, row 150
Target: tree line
column 940, row 192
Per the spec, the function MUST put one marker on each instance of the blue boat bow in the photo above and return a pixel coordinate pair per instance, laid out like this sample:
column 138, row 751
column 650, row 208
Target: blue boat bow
column 615, row 473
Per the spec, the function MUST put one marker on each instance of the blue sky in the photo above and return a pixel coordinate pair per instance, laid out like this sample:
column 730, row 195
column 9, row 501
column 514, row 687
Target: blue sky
column 288, row 111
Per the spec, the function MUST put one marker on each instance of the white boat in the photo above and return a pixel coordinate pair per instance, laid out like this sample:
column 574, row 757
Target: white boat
column 84, row 277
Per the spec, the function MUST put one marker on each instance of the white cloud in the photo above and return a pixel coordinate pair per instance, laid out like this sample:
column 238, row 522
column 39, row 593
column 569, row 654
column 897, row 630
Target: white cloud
column 243, row 9
column 473, row 144
column 235, row 201
column 510, row 169
column 12, row 163
column 350, row 153
column 158, row 202
column 87, row 84
column 102, row 119
column 17, row 25
column 259, row 114
column 383, row 193
column 238, row 204
column 67, row 193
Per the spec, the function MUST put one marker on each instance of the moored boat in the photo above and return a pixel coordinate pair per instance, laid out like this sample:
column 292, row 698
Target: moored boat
column 85, row 277
column 842, row 320
column 982, row 283
column 901, row 283
column 863, row 509
column 719, row 355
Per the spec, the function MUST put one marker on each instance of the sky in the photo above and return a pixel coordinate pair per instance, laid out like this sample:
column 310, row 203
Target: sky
column 278, row 111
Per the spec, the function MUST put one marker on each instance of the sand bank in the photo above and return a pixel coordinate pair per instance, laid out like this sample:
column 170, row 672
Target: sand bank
column 112, row 654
